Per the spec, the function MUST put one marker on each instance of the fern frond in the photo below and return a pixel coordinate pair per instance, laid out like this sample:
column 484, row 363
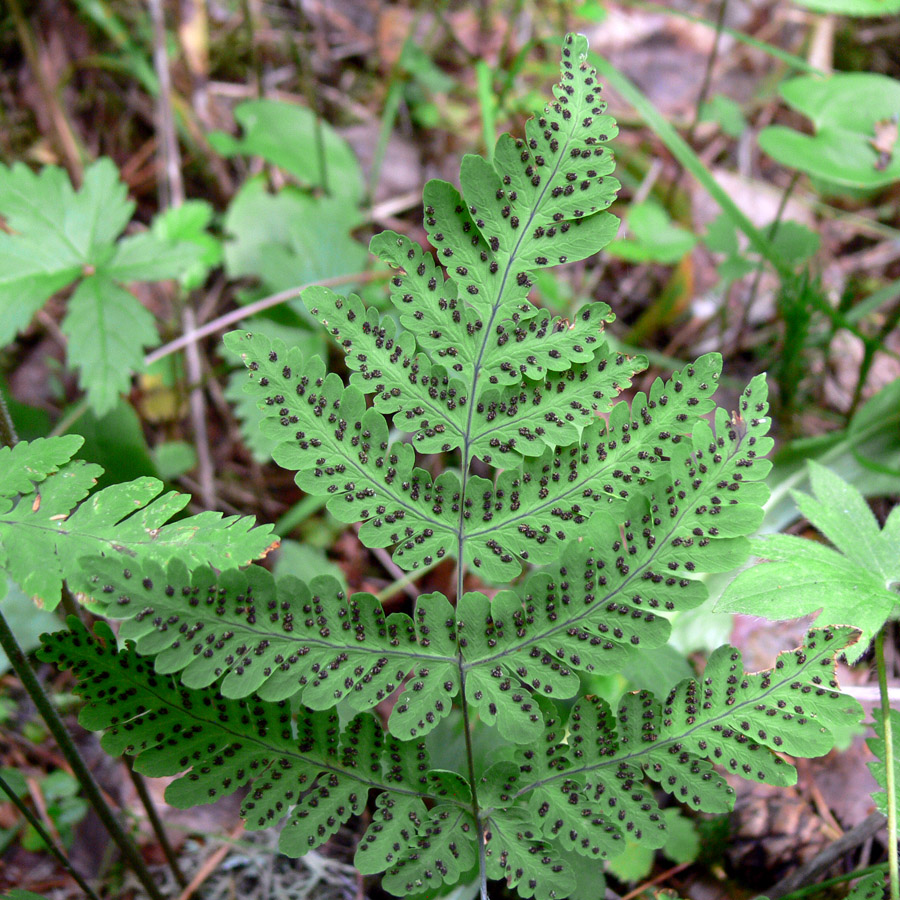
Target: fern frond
column 606, row 599
column 315, row 779
column 579, row 789
column 453, row 335
column 46, row 515
column 584, row 782
column 526, row 417
column 284, row 640
column 341, row 449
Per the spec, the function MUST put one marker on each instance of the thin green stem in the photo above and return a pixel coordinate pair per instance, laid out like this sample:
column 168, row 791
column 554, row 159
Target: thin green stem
column 8, row 436
column 140, row 785
column 760, row 266
column 889, row 765
column 68, row 749
column 50, row 844
column 466, row 723
column 686, row 156
column 404, row 582
column 831, row 882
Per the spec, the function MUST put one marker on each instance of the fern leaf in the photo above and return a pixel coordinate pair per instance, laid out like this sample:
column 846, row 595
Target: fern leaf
column 516, row 854
column 315, row 781
column 519, row 518
column 728, row 717
column 872, row 887
column 588, row 614
column 522, row 346
column 529, row 512
column 525, row 418
column 442, row 851
column 350, row 458
column 46, row 515
column 877, row 745
column 284, row 640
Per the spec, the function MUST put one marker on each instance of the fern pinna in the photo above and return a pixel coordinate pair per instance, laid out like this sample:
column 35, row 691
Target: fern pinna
column 594, row 517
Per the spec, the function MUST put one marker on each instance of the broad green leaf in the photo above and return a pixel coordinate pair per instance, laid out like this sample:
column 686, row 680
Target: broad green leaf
column 108, row 330
column 29, row 275
column 146, row 257
column 726, row 113
column 288, row 135
column 28, row 463
column 290, row 238
column 853, row 8
column 853, row 583
column 26, row 623
column 59, row 236
column 187, row 225
column 654, row 238
column 845, row 110
column 72, row 226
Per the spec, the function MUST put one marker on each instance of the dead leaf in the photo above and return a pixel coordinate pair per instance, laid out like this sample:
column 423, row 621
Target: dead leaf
column 886, row 133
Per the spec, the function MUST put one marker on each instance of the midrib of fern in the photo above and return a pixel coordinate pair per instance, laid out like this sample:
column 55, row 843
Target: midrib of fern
column 654, row 746
column 464, row 479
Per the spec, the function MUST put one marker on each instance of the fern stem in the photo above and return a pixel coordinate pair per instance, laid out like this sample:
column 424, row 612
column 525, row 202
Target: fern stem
column 72, row 608
column 8, row 436
column 50, row 844
column 467, row 734
column 67, row 747
column 889, row 766
column 156, row 823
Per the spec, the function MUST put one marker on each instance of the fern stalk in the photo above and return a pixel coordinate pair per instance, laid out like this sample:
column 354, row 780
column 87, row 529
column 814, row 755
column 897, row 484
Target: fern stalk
column 893, row 868
column 8, row 436
column 49, row 843
column 26, row 675
column 68, row 749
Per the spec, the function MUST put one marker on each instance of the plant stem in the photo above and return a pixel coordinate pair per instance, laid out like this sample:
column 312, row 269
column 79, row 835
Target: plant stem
column 702, row 95
column 889, row 766
column 140, row 785
column 8, row 436
column 467, row 734
column 68, row 749
column 251, row 309
column 51, row 845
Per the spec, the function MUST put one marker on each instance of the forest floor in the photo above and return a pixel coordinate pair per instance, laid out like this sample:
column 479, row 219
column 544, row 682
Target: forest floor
column 412, row 87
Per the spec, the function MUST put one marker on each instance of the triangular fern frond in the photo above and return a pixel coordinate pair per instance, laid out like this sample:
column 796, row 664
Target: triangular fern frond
column 47, row 515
